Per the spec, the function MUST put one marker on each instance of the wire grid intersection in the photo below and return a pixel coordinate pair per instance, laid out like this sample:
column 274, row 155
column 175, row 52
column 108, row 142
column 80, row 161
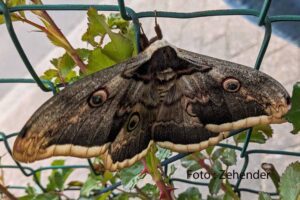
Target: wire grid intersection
column 129, row 14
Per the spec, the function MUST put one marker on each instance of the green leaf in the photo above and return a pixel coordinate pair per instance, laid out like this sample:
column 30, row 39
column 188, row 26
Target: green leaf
column 75, row 184
column 163, row 153
column 150, row 190
column 2, row 19
column 65, row 68
column 217, row 153
column 13, row 17
column 119, row 48
column 121, row 196
column 172, row 170
column 26, row 197
column 30, row 190
column 58, row 176
column 47, row 196
column 227, row 196
column 96, row 27
column 57, row 81
column 217, row 168
column 52, row 35
column 71, row 77
column 44, row 196
column 38, row 175
column 214, row 185
column 131, row 175
column 191, row 193
column 264, row 196
column 230, row 194
column 92, row 183
column 270, row 169
column 98, row 60
column 11, row 3
column 293, row 116
column 55, row 181
column 50, row 74
column 289, row 185
column 228, row 157
column 151, row 161
column 255, row 138
column 64, row 64
column 209, row 150
column 260, row 134
column 115, row 20
column 190, row 163
column 107, row 176
column 31, row 193
column 104, row 196
column 132, row 37
column 83, row 53
column 66, row 173
column 219, row 197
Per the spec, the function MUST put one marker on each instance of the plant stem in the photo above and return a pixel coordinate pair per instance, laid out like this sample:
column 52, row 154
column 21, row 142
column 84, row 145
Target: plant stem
column 57, row 33
column 132, row 194
column 202, row 163
column 63, row 195
column 165, row 191
column 7, row 193
column 208, row 168
column 22, row 19
column 62, row 80
column 141, row 193
column 272, row 172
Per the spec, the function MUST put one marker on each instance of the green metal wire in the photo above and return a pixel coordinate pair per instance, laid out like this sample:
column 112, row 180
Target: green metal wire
column 129, row 14
column 264, row 12
column 50, row 86
column 18, row 46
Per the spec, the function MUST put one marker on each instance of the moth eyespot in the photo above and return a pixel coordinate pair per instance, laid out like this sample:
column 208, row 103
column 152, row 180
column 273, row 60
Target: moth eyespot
column 189, row 110
column 231, row 85
column 98, row 98
column 133, row 121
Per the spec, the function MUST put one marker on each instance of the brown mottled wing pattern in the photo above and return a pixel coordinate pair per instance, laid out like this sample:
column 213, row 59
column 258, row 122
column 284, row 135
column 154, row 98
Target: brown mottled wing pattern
column 180, row 100
column 68, row 125
column 200, row 108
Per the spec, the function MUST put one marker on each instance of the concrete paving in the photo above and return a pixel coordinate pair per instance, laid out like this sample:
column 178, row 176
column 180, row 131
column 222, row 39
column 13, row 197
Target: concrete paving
column 232, row 38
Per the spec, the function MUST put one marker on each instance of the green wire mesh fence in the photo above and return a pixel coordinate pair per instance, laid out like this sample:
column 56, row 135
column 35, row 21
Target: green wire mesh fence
column 129, row 14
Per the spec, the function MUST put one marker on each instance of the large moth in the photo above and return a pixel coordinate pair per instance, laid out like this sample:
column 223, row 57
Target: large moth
column 165, row 95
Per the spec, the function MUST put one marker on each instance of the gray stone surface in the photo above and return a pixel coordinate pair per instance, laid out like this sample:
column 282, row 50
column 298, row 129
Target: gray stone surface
column 232, row 38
